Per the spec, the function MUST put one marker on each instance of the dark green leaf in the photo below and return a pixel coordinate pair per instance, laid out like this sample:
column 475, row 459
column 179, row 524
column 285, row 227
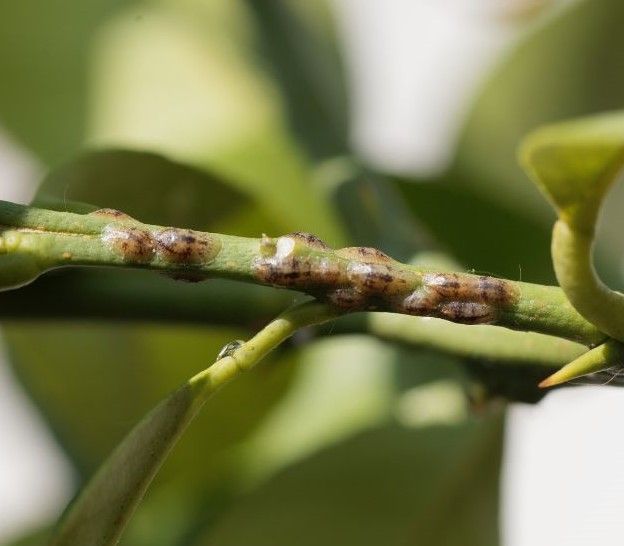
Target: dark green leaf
column 301, row 48
column 430, row 486
column 44, row 67
column 144, row 185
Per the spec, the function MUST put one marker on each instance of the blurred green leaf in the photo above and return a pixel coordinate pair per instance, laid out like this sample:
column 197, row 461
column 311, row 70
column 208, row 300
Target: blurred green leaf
column 374, row 211
column 32, row 538
column 479, row 234
column 300, row 46
column 570, row 64
column 435, row 485
column 91, row 382
column 186, row 80
column 147, row 186
column 44, row 66
column 102, row 510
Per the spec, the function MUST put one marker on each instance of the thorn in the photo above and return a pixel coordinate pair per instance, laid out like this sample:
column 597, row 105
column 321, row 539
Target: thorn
column 595, row 360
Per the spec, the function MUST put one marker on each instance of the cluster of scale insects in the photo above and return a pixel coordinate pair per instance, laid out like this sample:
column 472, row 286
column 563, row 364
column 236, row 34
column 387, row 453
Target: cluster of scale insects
column 352, row 279
column 362, row 278
column 137, row 244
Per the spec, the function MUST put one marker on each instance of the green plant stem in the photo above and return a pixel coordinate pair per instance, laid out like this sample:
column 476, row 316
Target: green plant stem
column 37, row 240
column 572, row 251
column 99, row 514
column 481, row 342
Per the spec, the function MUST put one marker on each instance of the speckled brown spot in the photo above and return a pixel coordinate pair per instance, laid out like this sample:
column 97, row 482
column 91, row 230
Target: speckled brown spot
column 418, row 303
column 286, row 265
column 135, row 245
column 376, row 278
column 467, row 312
column 484, row 289
column 185, row 246
column 348, row 299
column 364, row 254
column 289, row 271
column 112, row 213
column 309, row 239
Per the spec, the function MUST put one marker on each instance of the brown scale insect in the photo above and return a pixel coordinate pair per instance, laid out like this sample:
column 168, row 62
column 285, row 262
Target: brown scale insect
column 288, row 265
column 451, row 286
column 309, row 240
column 375, row 278
column 467, row 312
column 364, row 254
column 348, row 299
column 135, row 245
column 112, row 213
column 185, row 246
column 420, row 303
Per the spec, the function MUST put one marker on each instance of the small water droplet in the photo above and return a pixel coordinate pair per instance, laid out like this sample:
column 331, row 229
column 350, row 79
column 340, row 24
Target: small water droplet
column 229, row 348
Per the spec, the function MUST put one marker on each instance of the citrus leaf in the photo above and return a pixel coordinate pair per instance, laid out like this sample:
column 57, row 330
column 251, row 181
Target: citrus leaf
column 44, row 63
column 569, row 65
column 100, row 513
column 575, row 163
column 426, row 486
column 300, row 46
column 145, row 185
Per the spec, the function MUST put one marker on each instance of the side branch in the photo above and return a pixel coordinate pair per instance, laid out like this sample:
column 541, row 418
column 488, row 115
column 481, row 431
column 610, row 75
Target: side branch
column 350, row 279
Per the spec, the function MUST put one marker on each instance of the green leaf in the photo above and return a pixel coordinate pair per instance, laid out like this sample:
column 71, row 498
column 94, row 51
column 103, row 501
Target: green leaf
column 429, row 486
column 188, row 83
column 144, row 185
column 91, row 380
column 44, row 67
column 374, row 211
column 300, row 46
column 575, row 164
column 103, row 509
column 100, row 513
column 568, row 65
column 462, row 222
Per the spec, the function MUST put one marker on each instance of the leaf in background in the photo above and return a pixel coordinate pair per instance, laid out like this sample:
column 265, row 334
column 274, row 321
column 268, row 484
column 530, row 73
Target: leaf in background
column 479, row 234
column 300, row 46
column 374, row 212
column 34, row 538
column 44, row 57
column 92, row 381
column 570, row 64
column 147, row 186
column 429, row 486
column 344, row 384
column 185, row 81
column 100, row 513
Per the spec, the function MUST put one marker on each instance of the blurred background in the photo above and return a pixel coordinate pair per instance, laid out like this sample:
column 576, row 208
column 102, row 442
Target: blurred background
column 391, row 124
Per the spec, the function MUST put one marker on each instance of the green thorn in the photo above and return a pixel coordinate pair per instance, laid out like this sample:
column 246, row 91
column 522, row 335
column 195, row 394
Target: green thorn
column 600, row 358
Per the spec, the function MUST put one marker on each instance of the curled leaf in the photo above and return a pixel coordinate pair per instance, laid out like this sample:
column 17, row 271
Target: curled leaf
column 575, row 164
